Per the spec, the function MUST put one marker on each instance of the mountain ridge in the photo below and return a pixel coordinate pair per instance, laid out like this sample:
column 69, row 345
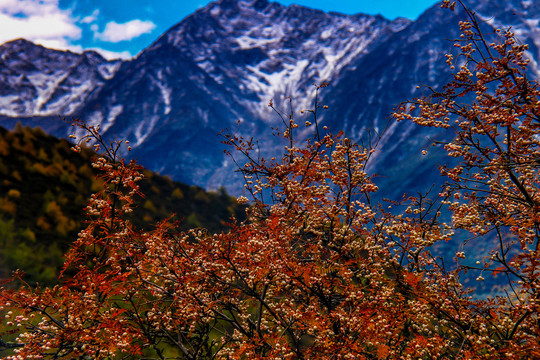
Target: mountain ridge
column 56, row 85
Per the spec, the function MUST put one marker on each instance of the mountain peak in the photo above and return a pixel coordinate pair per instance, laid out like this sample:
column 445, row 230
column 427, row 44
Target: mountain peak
column 18, row 42
column 19, row 46
column 256, row 4
column 23, row 48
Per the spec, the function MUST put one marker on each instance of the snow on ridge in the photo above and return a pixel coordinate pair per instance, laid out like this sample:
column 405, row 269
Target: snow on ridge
column 45, row 86
column 327, row 52
column 68, row 103
column 54, row 93
column 284, row 83
column 144, row 129
column 215, row 11
column 326, row 34
column 108, row 70
column 7, row 106
column 339, row 58
column 327, row 45
column 113, row 114
column 165, row 92
column 245, row 42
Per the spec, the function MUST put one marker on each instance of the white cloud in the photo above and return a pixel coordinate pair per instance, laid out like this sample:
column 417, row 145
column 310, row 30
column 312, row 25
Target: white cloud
column 40, row 21
column 45, row 23
column 90, row 18
column 115, row 32
column 112, row 55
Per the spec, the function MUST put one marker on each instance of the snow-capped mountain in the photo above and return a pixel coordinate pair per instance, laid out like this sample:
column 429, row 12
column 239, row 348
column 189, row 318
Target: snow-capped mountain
column 219, row 67
column 37, row 81
column 257, row 49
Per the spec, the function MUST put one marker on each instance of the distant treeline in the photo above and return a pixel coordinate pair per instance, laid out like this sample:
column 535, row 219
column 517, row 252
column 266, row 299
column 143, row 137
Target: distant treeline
column 44, row 187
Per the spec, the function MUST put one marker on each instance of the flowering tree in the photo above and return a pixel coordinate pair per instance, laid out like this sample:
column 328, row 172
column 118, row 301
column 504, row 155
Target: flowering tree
column 317, row 270
column 492, row 107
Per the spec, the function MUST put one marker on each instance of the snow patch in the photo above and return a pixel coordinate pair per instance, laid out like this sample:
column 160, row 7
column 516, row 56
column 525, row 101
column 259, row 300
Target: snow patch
column 71, row 101
column 46, row 102
column 166, row 95
column 7, row 106
column 203, row 115
column 245, row 42
column 215, row 11
column 108, row 70
column 206, row 65
column 144, row 129
column 113, row 114
column 286, row 82
column 327, row 51
column 45, row 87
column 165, row 92
column 326, row 34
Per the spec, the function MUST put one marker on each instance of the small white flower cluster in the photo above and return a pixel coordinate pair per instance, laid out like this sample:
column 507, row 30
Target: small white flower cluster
column 242, row 200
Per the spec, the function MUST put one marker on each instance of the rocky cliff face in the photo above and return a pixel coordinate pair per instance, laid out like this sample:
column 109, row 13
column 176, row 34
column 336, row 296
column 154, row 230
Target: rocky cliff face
column 219, row 68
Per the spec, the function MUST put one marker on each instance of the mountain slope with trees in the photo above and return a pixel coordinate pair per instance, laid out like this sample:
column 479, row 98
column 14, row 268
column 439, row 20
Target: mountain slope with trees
column 45, row 186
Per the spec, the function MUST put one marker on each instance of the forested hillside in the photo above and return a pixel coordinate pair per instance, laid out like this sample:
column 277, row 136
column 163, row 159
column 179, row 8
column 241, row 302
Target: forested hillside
column 45, row 186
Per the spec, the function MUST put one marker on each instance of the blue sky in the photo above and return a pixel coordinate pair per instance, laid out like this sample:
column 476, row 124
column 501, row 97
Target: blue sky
column 122, row 28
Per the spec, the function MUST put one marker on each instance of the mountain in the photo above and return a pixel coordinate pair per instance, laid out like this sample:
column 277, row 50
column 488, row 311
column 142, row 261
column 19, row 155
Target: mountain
column 37, row 81
column 219, row 67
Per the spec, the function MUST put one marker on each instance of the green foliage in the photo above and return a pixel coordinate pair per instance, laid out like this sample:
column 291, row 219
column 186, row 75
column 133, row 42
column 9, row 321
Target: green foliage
column 45, row 187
